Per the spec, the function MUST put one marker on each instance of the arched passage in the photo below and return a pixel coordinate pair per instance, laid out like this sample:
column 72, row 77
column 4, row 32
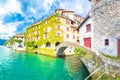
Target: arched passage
column 57, row 43
column 60, row 52
column 48, row 44
column 35, row 46
column 65, row 48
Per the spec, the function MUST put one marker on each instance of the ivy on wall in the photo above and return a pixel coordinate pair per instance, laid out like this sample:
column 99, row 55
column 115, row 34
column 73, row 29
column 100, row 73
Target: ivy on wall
column 52, row 23
column 10, row 41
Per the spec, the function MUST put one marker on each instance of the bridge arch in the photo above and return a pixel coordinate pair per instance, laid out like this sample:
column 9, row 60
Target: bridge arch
column 61, row 50
column 57, row 43
column 63, row 46
column 93, row 60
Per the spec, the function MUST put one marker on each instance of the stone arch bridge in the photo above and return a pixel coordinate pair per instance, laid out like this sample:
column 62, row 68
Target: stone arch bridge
column 93, row 60
column 61, row 47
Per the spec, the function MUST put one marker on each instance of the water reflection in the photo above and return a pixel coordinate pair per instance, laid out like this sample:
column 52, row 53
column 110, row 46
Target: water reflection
column 27, row 66
column 76, row 69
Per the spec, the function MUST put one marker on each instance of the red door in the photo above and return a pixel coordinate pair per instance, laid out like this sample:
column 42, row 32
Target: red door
column 118, row 47
column 87, row 42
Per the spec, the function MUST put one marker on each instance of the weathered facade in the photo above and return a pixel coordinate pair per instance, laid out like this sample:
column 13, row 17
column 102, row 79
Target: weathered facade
column 105, row 16
column 48, row 33
column 86, row 33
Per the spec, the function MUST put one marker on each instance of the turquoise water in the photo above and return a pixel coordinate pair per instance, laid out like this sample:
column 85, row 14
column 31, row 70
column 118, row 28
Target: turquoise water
column 22, row 66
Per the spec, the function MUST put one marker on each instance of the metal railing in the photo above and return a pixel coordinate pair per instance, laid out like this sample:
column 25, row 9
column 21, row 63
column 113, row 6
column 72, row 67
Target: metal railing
column 97, row 70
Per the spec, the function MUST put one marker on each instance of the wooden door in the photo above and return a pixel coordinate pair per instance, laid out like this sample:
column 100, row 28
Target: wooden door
column 87, row 42
column 119, row 47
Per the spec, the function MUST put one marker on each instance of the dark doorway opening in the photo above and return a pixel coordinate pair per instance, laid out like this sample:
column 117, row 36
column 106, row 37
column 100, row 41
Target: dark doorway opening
column 48, row 44
column 57, row 43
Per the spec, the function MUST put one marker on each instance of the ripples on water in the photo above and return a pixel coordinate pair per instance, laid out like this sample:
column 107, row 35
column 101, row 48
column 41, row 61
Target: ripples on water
column 22, row 66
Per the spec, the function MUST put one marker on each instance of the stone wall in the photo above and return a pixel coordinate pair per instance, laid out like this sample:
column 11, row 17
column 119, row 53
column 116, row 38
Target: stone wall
column 95, row 62
column 106, row 20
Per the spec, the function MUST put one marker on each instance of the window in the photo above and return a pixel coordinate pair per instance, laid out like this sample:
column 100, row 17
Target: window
column 28, row 39
column 67, row 28
column 58, row 34
column 97, row 0
column 32, row 38
column 74, row 30
column 106, row 42
column 58, row 26
column 37, row 37
column 46, row 22
column 67, row 35
column 45, row 35
column 77, row 37
column 37, row 32
column 67, row 21
column 46, row 30
column 36, row 27
column 28, row 34
column 73, row 36
column 88, row 27
column 58, row 18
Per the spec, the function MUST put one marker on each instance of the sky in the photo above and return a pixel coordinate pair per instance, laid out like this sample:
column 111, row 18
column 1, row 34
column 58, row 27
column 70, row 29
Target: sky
column 16, row 15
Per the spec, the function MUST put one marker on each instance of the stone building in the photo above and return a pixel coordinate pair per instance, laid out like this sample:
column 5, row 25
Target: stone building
column 104, row 22
column 19, row 42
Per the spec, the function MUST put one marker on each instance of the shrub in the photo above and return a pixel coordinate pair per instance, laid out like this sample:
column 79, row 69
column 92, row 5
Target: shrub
column 9, row 41
column 18, row 41
column 79, row 52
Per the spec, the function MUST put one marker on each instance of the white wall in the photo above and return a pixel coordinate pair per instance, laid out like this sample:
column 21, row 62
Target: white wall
column 98, row 40
column 83, row 34
column 110, row 49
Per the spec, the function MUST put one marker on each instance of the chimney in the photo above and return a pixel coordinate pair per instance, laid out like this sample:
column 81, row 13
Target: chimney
column 59, row 11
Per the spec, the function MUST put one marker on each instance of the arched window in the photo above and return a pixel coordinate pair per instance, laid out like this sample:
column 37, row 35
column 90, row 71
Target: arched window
column 36, row 46
column 48, row 44
column 57, row 43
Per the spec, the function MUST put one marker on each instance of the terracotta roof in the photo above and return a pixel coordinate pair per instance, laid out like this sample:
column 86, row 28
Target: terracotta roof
column 83, row 22
column 59, row 9
column 77, row 15
column 19, row 35
column 66, row 18
column 67, row 11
